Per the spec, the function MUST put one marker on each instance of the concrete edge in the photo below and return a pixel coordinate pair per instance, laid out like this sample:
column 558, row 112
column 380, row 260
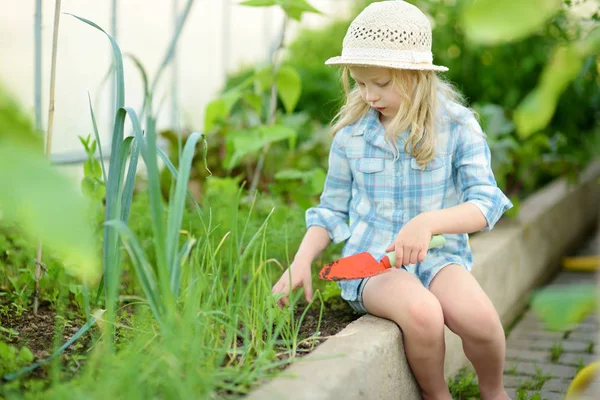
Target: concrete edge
column 366, row 359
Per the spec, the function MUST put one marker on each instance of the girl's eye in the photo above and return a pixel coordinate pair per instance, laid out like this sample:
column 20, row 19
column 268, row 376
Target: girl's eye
column 383, row 84
column 360, row 84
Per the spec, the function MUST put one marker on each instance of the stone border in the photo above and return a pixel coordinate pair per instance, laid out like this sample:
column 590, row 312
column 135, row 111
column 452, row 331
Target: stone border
column 366, row 359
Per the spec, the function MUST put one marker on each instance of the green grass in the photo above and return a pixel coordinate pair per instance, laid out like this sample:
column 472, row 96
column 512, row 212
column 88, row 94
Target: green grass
column 556, row 351
column 536, row 382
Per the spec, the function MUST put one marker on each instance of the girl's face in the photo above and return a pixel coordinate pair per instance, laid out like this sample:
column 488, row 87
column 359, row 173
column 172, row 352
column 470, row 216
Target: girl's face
column 377, row 89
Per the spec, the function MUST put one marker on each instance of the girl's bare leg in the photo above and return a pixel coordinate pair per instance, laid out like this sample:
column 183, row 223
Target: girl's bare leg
column 470, row 314
column 400, row 297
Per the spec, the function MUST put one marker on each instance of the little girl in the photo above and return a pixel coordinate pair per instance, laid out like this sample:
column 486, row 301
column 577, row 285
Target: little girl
column 407, row 162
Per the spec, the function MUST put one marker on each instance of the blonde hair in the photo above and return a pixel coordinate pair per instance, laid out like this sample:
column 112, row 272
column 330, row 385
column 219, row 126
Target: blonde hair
column 419, row 111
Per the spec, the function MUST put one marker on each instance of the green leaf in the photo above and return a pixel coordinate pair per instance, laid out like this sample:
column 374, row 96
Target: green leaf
column 243, row 142
column 25, row 355
column 230, row 99
column 317, row 181
column 495, row 22
column 289, row 87
column 215, row 111
column 536, row 110
column 47, row 206
column 254, row 101
column 93, row 188
column 264, row 78
column 274, row 133
column 561, row 307
column 290, row 174
column 295, row 8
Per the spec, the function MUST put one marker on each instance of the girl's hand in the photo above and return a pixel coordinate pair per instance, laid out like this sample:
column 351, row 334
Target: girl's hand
column 412, row 242
column 300, row 277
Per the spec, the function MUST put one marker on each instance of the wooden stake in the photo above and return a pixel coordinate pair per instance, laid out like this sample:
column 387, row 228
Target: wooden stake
column 38, row 260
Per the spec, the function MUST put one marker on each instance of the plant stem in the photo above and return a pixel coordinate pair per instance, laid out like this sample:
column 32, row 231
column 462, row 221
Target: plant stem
column 38, row 260
column 272, row 107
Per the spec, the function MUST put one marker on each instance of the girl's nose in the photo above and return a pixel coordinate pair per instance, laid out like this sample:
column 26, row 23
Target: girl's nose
column 371, row 96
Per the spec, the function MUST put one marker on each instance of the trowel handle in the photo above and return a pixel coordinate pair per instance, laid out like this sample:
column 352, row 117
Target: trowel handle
column 436, row 241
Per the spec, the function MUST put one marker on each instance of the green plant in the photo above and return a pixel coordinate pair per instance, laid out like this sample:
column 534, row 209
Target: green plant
column 12, row 357
column 536, row 382
column 463, row 386
column 522, row 394
column 580, row 365
column 556, row 351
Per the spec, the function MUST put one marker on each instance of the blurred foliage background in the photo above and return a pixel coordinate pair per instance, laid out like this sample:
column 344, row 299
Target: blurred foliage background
column 496, row 77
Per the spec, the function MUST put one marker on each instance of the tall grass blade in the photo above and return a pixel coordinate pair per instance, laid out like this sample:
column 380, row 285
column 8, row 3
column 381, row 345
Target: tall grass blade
column 147, row 147
column 176, row 207
column 130, row 181
column 165, row 158
column 111, row 253
column 142, row 268
column 97, row 135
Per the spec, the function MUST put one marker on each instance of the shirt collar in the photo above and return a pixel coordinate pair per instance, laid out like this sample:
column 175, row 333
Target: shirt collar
column 373, row 130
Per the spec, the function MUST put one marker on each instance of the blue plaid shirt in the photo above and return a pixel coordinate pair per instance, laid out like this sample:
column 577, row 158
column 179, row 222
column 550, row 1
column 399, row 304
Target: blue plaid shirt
column 369, row 195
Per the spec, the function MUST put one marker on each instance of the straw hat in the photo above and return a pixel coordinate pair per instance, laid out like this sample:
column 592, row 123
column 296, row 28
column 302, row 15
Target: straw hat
column 392, row 34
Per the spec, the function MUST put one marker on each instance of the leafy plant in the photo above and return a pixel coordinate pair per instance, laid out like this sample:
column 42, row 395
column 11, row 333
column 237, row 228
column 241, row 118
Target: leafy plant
column 12, row 357
column 463, row 386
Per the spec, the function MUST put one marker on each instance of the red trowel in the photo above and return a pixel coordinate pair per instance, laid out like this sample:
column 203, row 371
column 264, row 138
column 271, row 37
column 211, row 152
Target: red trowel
column 363, row 265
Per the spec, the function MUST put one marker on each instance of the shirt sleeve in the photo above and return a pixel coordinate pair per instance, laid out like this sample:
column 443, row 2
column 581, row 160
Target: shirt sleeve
column 474, row 176
column 332, row 211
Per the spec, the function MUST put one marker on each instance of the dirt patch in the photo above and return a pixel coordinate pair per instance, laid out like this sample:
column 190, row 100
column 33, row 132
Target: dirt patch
column 336, row 316
column 37, row 332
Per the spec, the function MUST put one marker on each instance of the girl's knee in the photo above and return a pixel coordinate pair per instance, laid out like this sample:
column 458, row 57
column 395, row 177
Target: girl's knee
column 424, row 319
column 481, row 325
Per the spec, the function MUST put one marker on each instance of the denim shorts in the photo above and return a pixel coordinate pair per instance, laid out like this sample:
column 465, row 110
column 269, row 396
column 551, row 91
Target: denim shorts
column 426, row 277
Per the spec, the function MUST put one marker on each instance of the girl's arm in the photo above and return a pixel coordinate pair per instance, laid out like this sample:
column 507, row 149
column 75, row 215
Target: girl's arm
column 315, row 241
column 463, row 218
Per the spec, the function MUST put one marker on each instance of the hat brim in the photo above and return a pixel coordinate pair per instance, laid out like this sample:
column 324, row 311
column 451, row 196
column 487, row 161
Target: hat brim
column 385, row 64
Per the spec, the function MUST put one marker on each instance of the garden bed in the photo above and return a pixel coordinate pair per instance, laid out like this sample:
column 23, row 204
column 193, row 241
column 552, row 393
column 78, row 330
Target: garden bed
column 366, row 360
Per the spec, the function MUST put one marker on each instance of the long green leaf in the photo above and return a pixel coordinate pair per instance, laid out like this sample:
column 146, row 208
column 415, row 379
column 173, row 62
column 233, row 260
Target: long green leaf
column 536, row 110
column 97, row 135
column 142, row 268
column 148, row 150
column 118, row 58
column 111, row 251
column 176, row 207
column 130, row 181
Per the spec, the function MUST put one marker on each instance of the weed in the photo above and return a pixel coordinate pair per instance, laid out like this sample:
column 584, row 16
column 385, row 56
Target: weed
column 590, row 348
column 463, row 386
column 524, row 395
column 512, row 371
column 536, row 382
column 556, row 351
column 580, row 365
